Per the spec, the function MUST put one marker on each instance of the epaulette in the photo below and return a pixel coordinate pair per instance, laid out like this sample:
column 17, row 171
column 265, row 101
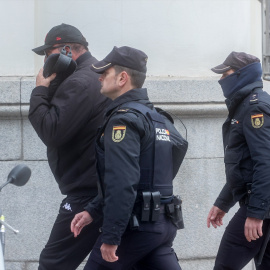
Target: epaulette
column 254, row 99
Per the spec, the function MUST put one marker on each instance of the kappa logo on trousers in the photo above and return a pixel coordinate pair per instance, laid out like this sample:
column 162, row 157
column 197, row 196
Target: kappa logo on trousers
column 67, row 207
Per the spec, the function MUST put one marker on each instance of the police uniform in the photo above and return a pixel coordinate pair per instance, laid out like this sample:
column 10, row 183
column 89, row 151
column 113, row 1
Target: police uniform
column 246, row 138
column 121, row 143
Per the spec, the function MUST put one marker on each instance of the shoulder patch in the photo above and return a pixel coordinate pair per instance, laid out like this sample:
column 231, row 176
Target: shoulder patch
column 118, row 133
column 253, row 99
column 257, row 120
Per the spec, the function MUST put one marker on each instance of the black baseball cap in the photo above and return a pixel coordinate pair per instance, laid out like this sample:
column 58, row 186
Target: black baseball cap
column 63, row 33
column 235, row 61
column 123, row 56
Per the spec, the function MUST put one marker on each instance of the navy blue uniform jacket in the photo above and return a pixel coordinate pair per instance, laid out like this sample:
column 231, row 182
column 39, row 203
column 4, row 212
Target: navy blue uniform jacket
column 246, row 138
column 126, row 134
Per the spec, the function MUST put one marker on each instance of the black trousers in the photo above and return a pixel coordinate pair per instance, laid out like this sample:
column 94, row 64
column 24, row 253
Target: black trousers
column 63, row 251
column 149, row 248
column 235, row 252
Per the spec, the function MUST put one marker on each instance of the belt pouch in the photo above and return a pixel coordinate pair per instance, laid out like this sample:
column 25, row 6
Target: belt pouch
column 156, row 205
column 146, row 205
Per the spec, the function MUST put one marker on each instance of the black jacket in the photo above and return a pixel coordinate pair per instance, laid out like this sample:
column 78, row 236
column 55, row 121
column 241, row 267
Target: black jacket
column 246, row 139
column 120, row 174
column 67, row 124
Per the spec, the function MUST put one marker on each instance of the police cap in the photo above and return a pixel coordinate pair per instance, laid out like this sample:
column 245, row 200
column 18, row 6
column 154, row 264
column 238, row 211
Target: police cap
column 123, row 56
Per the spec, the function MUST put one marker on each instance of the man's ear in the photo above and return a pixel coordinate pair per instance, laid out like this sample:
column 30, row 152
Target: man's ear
column 123, row 78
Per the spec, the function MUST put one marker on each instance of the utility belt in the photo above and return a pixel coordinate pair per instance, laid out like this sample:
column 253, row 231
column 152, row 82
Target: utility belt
column 152, row 205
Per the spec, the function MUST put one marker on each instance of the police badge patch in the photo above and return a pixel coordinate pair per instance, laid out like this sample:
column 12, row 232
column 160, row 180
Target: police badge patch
column 257, row 120
column 118, row 133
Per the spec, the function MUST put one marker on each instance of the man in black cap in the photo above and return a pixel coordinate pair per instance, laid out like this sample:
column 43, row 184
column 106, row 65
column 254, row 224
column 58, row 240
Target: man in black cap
column 66, row 120
column 135, row 169
column 246, row 138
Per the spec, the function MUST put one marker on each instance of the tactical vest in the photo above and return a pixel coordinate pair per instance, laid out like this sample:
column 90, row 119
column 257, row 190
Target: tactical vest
column 158, row 166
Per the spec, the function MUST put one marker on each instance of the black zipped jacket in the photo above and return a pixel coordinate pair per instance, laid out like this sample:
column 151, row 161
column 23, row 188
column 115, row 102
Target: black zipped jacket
column 67, row 124
column 246, row 139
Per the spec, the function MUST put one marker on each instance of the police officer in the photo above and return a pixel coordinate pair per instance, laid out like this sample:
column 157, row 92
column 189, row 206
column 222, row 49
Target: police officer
column 66, row 118
column 135, row 230
column 246, row 138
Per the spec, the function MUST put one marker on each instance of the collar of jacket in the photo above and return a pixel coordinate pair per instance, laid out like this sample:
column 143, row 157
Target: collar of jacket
column 139, row 94
column 85, row 60
column 83, row 57
column 240, row 95
column 240, row 78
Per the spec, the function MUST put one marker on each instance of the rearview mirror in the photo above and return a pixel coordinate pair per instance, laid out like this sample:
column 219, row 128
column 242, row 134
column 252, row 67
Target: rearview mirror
column 18, row 176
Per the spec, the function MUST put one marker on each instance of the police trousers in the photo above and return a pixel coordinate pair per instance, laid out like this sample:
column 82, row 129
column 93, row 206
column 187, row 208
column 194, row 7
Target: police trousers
column 235, row 252
column 149, row 248
column 63, row 251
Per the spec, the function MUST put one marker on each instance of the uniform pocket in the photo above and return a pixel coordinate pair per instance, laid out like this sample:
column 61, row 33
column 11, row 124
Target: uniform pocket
column 232, row 160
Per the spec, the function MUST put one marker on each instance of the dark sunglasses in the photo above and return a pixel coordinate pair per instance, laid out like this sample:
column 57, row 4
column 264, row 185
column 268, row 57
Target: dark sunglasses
column 52, row 48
